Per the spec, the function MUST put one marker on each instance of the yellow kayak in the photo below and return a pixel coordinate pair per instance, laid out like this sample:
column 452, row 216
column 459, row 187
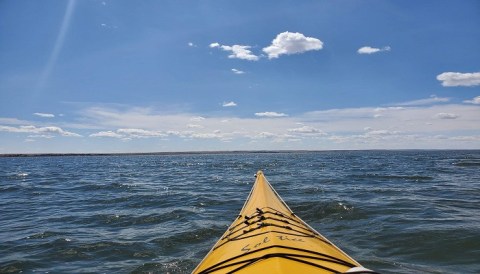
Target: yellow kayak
column 267, row 237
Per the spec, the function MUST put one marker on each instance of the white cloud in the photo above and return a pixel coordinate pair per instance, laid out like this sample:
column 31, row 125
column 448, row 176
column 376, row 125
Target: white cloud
column 108, row 133
column 428, row 101
column 381, row 132
column 307, row 130
column 237, row 51
column 456, row 79
column 371, row 50
column 229, row 104
column 466, row 138
column 46, row 136
column 108, row 26
column 225, row 128
column 205, row 135
column 39, row 130
column 406, row 119
column 475, row 101
column 129, row 133
column 351, row 128
column 237, row 71
column 194, row 126
column 264, row 134
column 140, row 133
column 197, row 119
column 190, row 44
column 214, row 45
column 44, row 115
column 291, row 43
column 270, row 114
column 444, row 115
column 56, row 130
column 14, row 121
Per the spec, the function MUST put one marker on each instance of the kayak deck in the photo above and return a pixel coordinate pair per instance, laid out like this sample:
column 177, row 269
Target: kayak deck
column 268, row 236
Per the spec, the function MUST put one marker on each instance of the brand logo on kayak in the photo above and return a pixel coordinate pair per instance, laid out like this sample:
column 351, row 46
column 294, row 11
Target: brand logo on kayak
column 250, row 247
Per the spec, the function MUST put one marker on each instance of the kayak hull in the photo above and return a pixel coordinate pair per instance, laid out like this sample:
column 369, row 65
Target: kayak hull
column 267, row 237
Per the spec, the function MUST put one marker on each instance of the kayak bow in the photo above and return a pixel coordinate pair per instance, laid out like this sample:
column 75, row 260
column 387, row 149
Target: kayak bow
column 267, row 237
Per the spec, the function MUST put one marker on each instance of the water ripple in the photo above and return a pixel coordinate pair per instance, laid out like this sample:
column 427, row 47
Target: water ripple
column 394, row 211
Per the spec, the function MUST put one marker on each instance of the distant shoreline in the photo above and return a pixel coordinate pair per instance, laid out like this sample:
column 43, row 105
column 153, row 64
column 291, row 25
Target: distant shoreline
column 13, row 155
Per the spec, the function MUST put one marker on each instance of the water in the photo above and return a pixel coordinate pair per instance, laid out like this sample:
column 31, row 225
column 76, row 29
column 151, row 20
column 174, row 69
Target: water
column 393, row 211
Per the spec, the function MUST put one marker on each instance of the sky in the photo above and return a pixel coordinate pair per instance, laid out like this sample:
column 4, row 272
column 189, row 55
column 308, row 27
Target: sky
column 102, row 76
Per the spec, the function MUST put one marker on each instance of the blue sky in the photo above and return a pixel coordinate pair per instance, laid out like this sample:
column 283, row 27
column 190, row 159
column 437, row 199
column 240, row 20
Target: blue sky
column 145, row 76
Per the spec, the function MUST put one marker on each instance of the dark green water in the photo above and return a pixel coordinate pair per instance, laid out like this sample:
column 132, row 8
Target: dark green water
column 393, row 211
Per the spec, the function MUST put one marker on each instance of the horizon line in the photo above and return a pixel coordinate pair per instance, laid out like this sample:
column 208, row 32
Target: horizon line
column 53, row 154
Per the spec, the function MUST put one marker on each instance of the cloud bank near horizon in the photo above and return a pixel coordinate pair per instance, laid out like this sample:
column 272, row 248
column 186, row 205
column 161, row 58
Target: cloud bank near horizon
column 430, row 123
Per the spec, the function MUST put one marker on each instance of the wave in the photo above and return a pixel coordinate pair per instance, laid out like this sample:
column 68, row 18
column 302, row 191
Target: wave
column 392, row 177
column 170, row 266
column 10, row 188
column 467, row 163
column 43, row 235
column 398, row 212
column 197, row 235
column 119, row 220
column 420, row 241
column 68, row 250
column 314, row 211
column 22, row 174
column 17, row 266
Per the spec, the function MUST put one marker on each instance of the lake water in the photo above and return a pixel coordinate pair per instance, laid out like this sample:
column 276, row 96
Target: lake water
column 393, row 211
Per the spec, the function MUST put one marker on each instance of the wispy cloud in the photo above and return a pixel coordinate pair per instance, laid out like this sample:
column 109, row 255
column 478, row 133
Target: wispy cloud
column 307, row 130
column 46, row 136
column 229, row 104
column 292, row 43
column 380, row 132
column 222, row 128
column 108, row 26
column 13, row 121
column 427, row 101
column 444, row 115
column 456, row 79
column 140, row 133
column 39, row 130
column 237, row 71
column 197, row 119
column 423, row 120
column 129, row 133
column 44, row 115
column 237, row 51
column 191, row 44
column 109, row 133
column 372, row 50
column 270, row 114
column 416, row 126
column 475, row 101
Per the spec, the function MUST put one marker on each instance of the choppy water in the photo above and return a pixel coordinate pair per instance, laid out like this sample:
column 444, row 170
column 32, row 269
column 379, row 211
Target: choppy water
column 393, row 211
